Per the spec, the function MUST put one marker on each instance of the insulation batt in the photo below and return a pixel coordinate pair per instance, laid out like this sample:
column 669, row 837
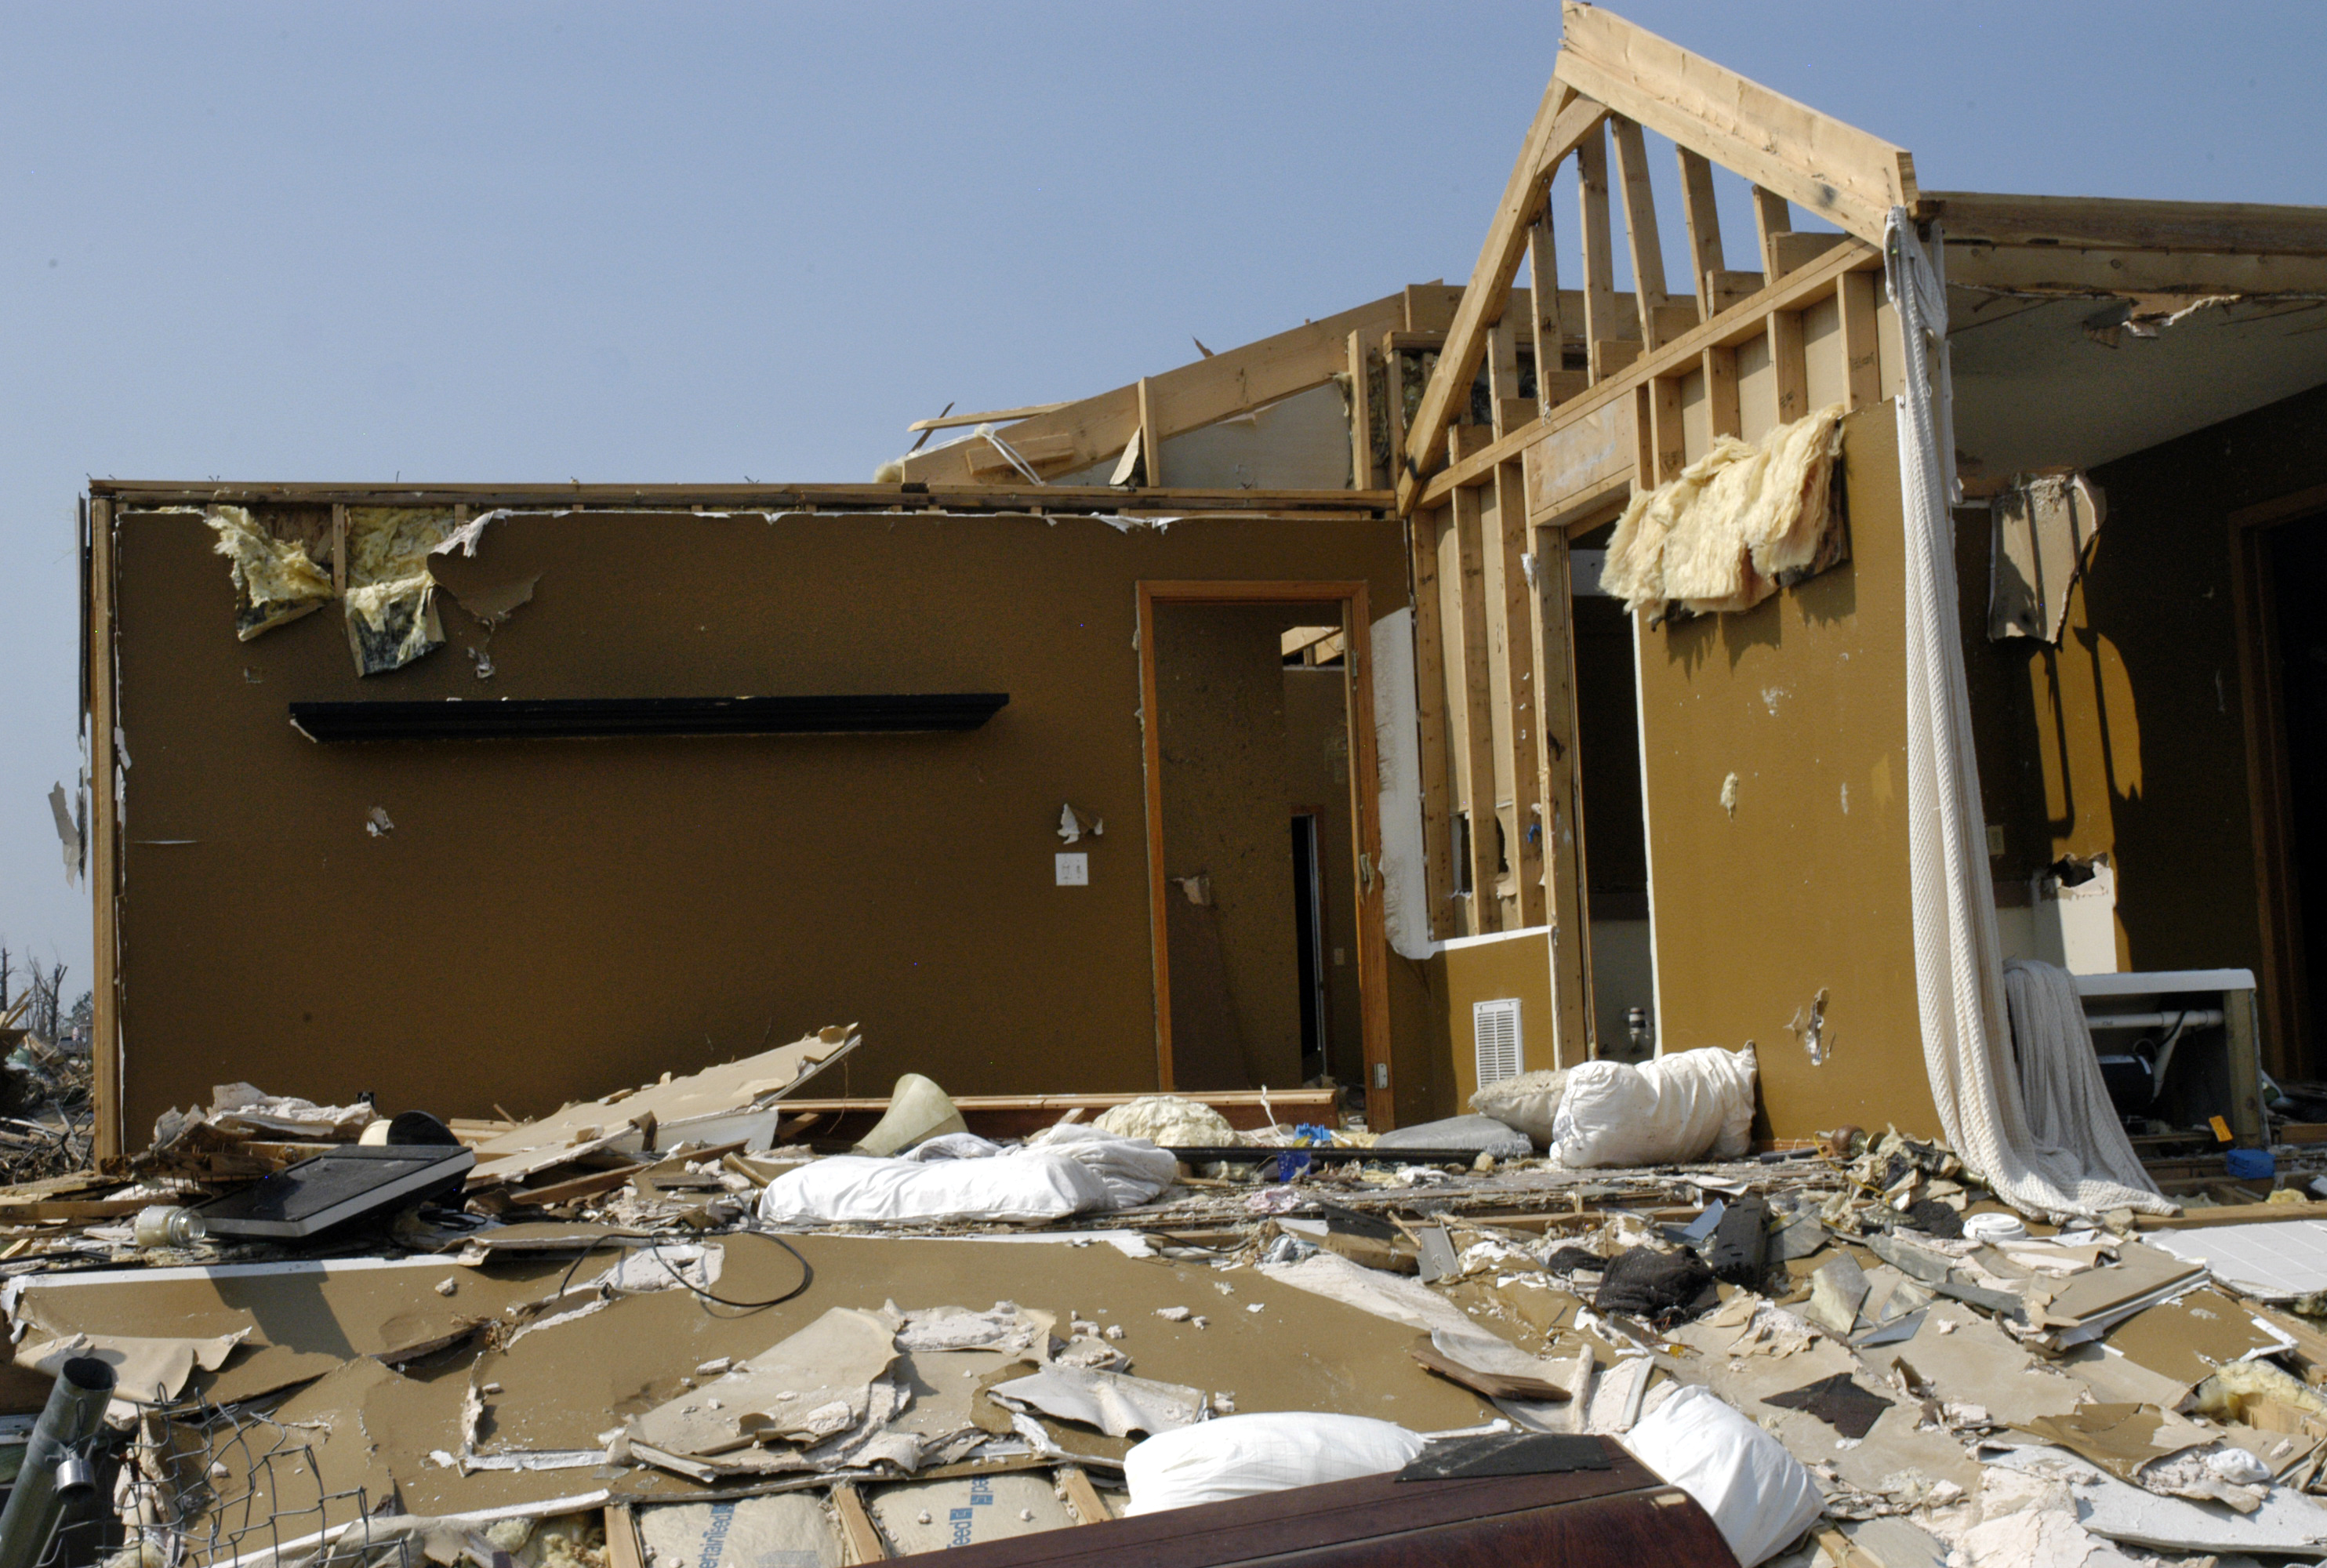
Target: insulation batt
column 1673, row 1110
column 1527, row 1103
column 275, row 580
column 1169, row 1122
column 1732, row 525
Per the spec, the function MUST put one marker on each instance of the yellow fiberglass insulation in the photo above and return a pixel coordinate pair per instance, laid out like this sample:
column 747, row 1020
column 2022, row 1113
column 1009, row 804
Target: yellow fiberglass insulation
column 1735, row 523
column 275, row 580
column 391, row 609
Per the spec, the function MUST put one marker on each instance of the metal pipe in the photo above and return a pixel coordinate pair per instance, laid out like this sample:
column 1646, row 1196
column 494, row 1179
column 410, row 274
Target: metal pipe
column 74, row 1413
column 2196, row 1017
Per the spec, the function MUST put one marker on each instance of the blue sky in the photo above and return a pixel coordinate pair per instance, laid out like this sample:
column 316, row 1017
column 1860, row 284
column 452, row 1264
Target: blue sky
column 701, row 242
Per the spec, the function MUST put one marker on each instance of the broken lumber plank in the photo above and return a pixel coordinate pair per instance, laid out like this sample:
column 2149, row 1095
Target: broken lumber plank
column 1703, row 220
column 1772, row 219
column 1845, row 175
column 1641, row 230
column 624, row 1547
column 858, row 1533
column 1089, row 1507
column 991, row 417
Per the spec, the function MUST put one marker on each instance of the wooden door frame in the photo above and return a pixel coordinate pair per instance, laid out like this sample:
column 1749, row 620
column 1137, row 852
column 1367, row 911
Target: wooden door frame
column 2285, row 990
column 1365, row 812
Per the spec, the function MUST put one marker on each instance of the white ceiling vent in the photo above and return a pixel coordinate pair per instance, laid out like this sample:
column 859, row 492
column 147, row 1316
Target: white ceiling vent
column 1495, row 1037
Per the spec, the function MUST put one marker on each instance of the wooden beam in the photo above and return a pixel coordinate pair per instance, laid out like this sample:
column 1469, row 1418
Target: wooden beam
column 624, row 1547
column 991, row 417
column 1194, row 395
column 2092, row 223
column 104, row 848
column 1469, row 687
column 1503, row 372
column 1721, row 408
column 1789, row 365
column 969, row 499
column 1836, row 169
column 1089, row 1507
column 1365, row 813
column 1862, row 363
column 1772, row 217
column 1563, row 805
column 1741, row 324
column 2117, row 273
column 1394, row 394
column 1667, row 440
column 1550, row 347
column 1598, row 245
column 1361, row 417
column 1560, row 124
column 1511, row 622
column 1704, row 221
column 1430, row 715
column 1641, row 230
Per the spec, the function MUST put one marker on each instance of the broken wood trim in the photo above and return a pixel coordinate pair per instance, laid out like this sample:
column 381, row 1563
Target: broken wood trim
column 1561, row 122
column 1081, row 1497
column 103, row 847
column 624, row 1547
column 1741, row 324
column 1832, row 168
column 2100, row 222
column 859, row 1535
column 1373, row 979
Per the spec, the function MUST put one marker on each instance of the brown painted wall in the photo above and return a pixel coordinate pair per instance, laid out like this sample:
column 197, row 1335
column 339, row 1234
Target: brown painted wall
column 555, row 919
column 1803, row 699
column 2129, row 738
column 1488, row 969
column 1220, row 684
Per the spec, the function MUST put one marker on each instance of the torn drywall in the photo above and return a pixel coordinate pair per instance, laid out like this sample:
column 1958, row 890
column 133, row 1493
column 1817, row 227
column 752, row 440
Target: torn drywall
column 2043, row 531
column 275, row 580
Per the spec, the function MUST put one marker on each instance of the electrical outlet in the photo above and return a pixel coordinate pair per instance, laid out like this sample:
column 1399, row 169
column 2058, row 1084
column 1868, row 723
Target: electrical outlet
column 1074, row 870
column 1994, row 840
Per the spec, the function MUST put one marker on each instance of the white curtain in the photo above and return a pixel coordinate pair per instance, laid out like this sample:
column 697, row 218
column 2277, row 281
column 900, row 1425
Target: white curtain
column 2085, row 1166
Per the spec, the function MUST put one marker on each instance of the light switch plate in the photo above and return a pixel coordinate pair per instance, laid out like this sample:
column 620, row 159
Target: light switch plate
column 1074, row 870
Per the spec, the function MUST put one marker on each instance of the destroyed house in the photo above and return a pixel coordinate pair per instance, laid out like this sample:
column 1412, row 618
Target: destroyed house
column 1484, row 679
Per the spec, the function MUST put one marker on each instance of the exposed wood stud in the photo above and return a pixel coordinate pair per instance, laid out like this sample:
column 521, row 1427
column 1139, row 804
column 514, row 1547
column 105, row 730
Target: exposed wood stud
column 1550, row 352
column 1394, row 394
column 1600, row 324
column 623, row 1548
column 1430, row 716
column 1082, row 1497
column 339, row 549
column 1772, row 217
column 1512, row 618
column 1860, row 359
column 1640, row 228
column 1789, row 364
column 1478, row 725
column 1361, row 421
column 1703, row 220
column 1503, row 373
column 1671, row 443
column 1721, row 392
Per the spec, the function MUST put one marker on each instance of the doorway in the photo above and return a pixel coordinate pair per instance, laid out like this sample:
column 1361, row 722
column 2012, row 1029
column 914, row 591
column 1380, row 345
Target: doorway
column 1268, row 950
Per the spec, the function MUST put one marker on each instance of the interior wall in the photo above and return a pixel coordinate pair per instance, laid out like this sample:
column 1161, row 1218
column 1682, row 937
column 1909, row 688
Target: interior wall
column 2128, row 738
column 549, row 920
column 1220, row 686
column 1317, row 775
column 1803, row 887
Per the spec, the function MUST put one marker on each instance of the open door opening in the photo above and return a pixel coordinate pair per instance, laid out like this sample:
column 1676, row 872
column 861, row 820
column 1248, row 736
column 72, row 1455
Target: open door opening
column 1260, row 838
column 1608, row 761
column 2297, row 553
